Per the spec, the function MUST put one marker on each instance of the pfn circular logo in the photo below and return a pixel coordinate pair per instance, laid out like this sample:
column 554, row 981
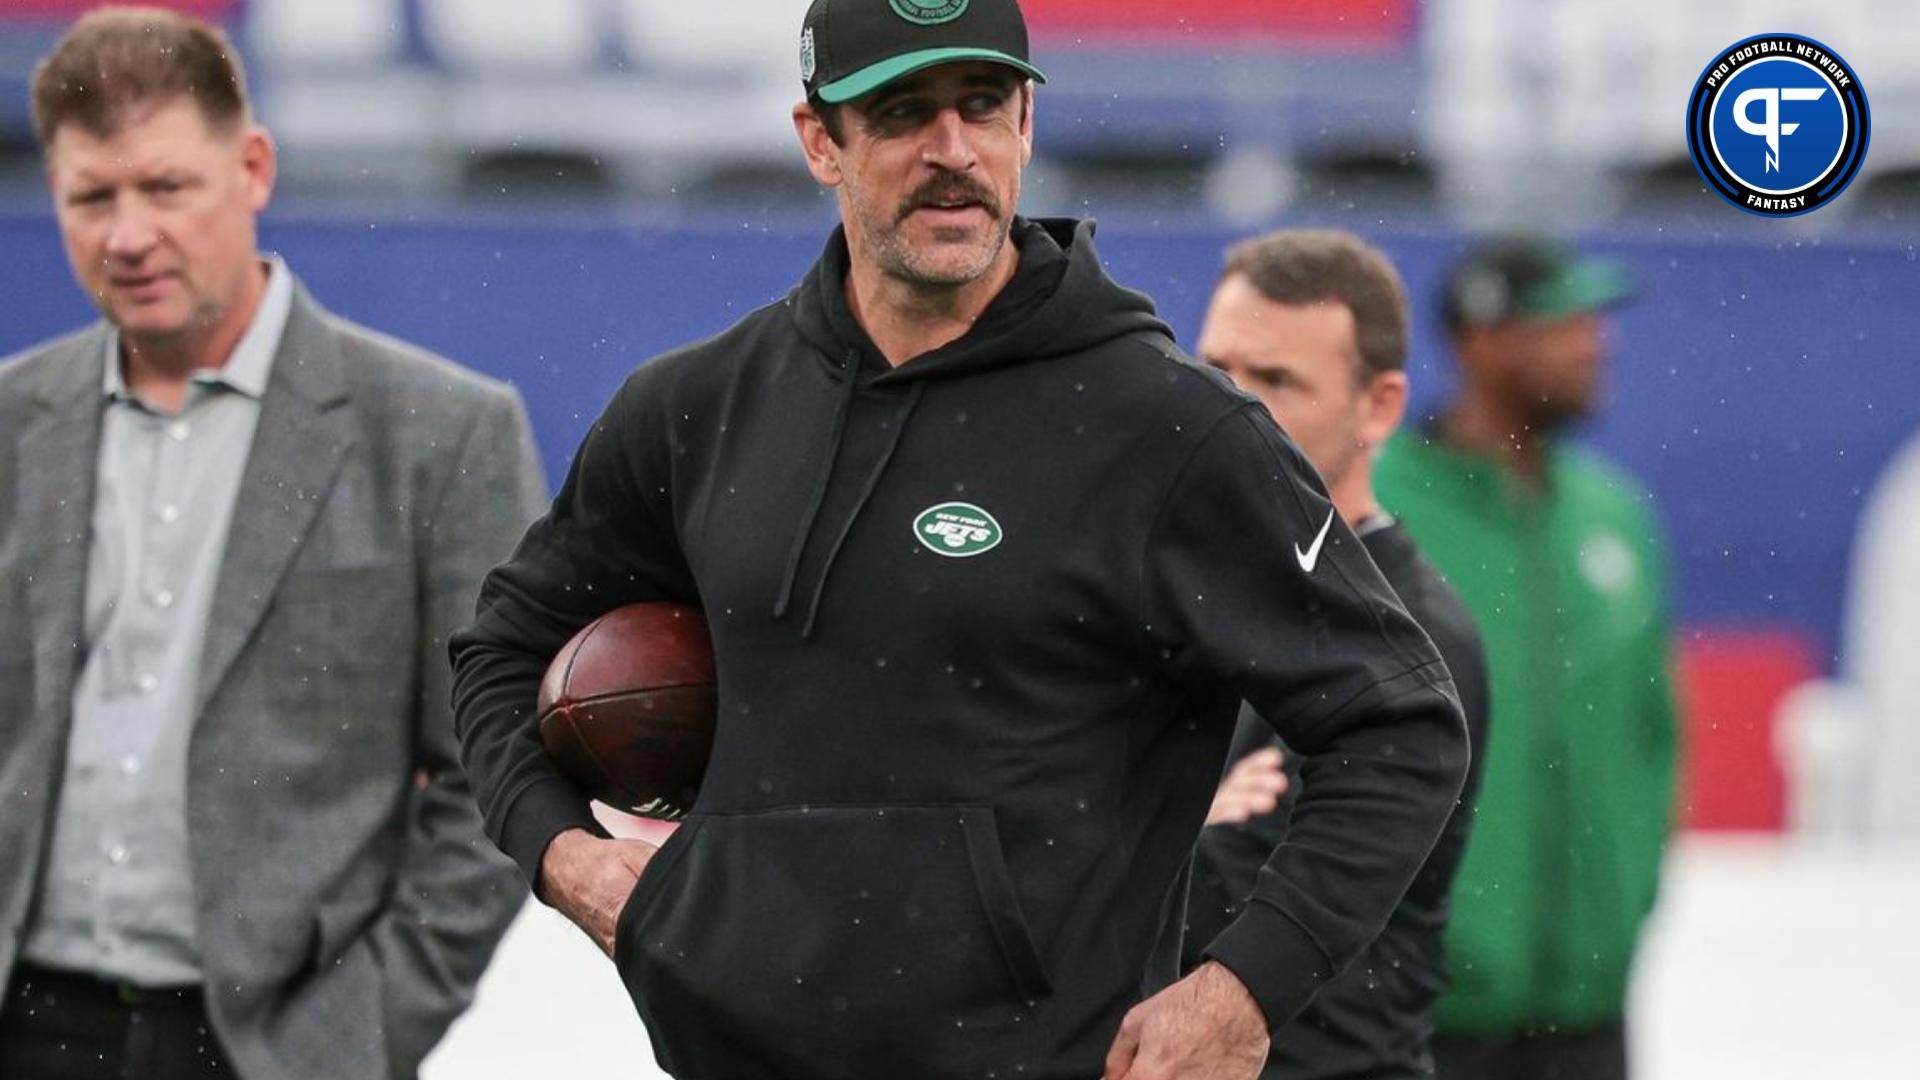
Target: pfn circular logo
column 1778, row 125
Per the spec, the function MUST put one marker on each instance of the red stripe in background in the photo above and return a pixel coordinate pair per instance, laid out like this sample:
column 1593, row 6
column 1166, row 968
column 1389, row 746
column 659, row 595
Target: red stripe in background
column 1357, row 22
column 1731, row 683
column 42, row 11
column 1360, row 22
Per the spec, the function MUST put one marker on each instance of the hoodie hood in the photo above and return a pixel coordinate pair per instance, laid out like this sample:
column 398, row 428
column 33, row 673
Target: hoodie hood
column 1059, row 301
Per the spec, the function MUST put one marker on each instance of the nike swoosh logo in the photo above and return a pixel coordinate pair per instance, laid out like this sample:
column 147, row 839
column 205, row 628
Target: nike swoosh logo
column 1312, row 555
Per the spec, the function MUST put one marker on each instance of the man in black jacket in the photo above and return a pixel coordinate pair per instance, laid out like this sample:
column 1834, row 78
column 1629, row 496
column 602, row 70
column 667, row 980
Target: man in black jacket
column 970, row 536
column 1314, row 324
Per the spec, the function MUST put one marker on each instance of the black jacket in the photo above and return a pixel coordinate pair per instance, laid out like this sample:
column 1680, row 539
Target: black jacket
column 1375, row 1020
column 962, row 759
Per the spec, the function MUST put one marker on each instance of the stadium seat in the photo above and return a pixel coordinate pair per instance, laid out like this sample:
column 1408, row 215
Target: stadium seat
column 338, row 34
column 560, row 37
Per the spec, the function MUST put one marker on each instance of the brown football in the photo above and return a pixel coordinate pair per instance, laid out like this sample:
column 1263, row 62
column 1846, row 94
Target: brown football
column 627, row 708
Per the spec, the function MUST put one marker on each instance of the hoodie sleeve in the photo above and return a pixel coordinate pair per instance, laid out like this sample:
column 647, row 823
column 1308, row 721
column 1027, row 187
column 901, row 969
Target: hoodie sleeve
column 1227, row 858
column 608, row 540
column 1254, row 587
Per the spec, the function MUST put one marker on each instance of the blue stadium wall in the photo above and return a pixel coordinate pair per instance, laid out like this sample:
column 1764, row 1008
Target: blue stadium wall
column 1757, row 388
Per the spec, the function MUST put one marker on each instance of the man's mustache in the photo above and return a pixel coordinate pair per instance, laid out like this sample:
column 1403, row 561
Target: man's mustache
column 947, row 190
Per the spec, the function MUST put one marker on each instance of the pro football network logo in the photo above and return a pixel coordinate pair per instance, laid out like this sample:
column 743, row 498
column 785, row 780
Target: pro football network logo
column 1778, row 125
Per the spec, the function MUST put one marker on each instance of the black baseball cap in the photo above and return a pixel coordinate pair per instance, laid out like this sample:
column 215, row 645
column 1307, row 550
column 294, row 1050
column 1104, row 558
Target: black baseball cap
column 1523, row 277
column 854, row 47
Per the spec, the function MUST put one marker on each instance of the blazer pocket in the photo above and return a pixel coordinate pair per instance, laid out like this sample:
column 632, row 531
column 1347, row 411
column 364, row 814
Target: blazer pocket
column 346, row 915
column 334, row 1022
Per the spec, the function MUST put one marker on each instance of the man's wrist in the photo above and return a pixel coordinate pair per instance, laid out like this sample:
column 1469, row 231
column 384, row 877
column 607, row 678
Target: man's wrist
column 545, row 809
column 561, row 853
column 1232, row 993
column 1274, row 958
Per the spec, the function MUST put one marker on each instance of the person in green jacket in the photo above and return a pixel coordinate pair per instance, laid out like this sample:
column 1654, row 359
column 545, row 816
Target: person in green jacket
column 1559, row 557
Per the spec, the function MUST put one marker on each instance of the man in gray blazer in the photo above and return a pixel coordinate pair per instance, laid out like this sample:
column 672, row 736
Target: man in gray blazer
column 235, row 532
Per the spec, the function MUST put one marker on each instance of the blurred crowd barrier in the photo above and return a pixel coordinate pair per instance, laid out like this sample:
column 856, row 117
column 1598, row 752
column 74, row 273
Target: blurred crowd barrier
column 1496, row 111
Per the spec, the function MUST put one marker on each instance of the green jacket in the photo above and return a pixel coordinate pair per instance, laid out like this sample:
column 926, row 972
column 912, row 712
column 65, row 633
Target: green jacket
column 1569, row 586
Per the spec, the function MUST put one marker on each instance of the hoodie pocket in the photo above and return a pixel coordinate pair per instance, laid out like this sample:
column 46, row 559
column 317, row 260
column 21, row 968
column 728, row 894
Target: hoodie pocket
column 838, row 941
column 652, row 881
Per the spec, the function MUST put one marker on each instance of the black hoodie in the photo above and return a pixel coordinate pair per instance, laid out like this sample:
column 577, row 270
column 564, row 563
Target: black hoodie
column 982, row 625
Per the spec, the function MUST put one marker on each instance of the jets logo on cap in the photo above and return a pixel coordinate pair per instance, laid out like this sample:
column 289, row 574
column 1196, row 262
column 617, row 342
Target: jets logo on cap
column 929, row 12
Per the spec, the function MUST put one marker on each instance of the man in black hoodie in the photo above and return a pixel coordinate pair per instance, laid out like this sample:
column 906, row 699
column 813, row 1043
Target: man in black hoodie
column 1314, row 324
column 972, row 540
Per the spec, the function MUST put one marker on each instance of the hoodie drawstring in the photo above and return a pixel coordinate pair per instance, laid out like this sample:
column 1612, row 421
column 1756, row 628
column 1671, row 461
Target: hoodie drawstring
column 873, row 481
column 819, row 486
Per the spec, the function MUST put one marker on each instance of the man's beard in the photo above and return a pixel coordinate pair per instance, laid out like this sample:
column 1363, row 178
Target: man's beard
column 901, row 260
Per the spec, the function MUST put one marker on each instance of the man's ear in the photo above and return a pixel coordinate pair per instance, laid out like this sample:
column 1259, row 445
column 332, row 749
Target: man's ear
column 1383, row 406
column 823, row 154
column 261, row 160
column 1026, row 123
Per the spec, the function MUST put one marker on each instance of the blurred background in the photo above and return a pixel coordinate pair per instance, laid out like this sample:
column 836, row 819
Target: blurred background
column 554, row 191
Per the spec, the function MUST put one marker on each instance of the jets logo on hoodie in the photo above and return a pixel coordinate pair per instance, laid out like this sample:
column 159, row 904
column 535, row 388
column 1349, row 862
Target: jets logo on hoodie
column 956, row 530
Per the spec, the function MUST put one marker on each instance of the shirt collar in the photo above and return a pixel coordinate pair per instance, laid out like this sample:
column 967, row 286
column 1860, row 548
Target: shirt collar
column 1372, row 523
column 251, row 361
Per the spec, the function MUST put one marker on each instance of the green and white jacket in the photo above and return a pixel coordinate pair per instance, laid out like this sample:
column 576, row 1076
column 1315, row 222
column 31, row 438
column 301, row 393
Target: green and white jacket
column 1569, row 586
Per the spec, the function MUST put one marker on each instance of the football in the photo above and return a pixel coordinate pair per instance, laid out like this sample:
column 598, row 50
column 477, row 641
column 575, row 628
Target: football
column 628, row 706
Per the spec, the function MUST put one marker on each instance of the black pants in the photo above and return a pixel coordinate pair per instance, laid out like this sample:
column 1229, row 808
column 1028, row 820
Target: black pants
column 1597, row 1054
column 62, row 1026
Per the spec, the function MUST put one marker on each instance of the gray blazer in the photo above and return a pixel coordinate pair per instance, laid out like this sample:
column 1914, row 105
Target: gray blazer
column 347, row 899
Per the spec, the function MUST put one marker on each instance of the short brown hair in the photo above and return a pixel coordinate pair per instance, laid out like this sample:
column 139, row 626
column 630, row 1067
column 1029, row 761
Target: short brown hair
column 117, row 60
column 831, row 118
column 1313, row 265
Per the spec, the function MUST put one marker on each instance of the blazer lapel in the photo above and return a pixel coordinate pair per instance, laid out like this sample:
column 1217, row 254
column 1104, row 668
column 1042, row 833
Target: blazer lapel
column 303, row 436
column 59, row 451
